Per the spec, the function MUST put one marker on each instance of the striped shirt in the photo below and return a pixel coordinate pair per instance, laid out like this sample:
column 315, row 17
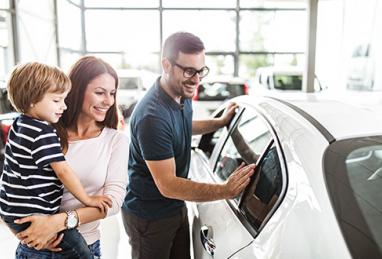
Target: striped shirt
column 28, row 185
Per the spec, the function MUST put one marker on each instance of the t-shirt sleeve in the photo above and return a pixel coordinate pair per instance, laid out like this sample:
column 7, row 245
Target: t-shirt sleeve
column 46, row 148
column 155, row 138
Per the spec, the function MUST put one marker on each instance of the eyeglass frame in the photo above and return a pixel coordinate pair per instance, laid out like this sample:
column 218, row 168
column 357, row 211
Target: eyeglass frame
column 195, row 70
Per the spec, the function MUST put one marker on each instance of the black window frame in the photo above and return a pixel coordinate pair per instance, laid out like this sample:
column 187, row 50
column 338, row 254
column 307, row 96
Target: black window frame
column 213, row 160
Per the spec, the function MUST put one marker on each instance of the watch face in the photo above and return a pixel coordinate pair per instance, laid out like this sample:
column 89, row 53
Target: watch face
column 72, row 220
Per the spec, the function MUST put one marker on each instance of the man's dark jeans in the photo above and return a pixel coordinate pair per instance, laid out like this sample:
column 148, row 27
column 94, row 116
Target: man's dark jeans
column 167, row 238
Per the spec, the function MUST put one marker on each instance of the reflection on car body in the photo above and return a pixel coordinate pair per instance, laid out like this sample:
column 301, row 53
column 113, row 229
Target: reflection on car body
column 317, row 181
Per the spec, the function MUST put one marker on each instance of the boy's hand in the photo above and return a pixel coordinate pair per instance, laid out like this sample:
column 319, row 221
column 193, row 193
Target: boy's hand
column 102, row 202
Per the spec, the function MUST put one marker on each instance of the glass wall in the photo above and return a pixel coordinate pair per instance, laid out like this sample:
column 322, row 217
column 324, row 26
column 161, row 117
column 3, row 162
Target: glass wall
column 363, row 45
column 349, row 45
column 36, row 31
column 6, row 45
column 239, row 35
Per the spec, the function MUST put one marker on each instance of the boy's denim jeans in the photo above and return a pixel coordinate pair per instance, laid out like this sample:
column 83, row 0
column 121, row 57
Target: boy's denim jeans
column 73, row 245
column 24, row 252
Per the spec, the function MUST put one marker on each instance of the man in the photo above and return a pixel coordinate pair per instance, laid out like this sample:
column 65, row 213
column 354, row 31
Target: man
column 154, row 212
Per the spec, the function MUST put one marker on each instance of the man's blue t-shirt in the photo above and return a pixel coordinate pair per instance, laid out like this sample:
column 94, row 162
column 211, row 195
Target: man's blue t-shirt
column 160, row 129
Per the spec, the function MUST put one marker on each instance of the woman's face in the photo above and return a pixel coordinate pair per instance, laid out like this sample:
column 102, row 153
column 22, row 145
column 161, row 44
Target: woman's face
column 99, row 97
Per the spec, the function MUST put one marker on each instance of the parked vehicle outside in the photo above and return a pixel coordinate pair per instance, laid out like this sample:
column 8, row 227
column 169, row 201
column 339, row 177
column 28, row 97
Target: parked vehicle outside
column 212, row 92
column 133, row 84
column 7, row 116
column 282, row 78
column 315, row 192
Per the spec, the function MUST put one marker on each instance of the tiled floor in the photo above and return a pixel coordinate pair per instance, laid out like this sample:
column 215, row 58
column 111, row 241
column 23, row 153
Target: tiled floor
column 114, row 242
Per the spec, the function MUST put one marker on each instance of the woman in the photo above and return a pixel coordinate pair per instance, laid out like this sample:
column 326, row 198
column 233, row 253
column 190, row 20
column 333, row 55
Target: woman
column 96, row 151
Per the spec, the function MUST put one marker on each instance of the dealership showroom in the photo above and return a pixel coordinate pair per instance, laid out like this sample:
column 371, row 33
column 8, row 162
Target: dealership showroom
column 191, row 129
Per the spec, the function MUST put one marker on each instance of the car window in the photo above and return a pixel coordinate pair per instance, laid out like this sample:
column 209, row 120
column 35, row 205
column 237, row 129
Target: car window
column 209, row 141
column 219, row 91
column 244, row 144
column 353, row 170
column 264, row 189
column 129, row 83
column 5, row 105
column 288, row 82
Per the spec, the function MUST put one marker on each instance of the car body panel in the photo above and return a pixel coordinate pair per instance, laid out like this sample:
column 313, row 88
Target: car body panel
column 304, row 224
column 222, row 224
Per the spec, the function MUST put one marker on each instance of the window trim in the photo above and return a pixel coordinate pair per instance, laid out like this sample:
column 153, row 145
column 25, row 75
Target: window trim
column 213, row 160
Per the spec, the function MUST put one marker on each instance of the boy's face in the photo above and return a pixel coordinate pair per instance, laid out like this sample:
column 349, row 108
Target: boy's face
column 50, row 108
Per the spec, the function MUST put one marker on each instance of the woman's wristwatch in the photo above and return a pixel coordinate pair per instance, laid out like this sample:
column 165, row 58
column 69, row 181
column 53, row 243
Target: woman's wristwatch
column 72, row 220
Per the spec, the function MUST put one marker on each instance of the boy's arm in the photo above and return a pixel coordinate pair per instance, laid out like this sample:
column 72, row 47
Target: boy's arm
column 74, row 186
column 70, row 180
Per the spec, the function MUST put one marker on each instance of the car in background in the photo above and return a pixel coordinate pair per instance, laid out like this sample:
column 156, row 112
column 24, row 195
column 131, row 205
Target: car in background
column 283, row 78
column 129, row 90
column 212, row 92
column 7, row 116
column 133, row 84
column 317, row 181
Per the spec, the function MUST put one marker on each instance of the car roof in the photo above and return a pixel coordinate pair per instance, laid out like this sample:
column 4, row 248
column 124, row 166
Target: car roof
column 340, row 119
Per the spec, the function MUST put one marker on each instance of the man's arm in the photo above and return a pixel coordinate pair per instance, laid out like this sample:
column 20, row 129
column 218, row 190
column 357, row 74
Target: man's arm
column 211, row 125
column 174, row 187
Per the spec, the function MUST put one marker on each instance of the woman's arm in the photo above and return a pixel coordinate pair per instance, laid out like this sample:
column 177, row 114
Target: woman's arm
column 43, row 229
column 116, row 178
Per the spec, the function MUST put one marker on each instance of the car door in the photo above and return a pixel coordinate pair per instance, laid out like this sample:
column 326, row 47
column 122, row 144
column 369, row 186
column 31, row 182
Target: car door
column 221, row 228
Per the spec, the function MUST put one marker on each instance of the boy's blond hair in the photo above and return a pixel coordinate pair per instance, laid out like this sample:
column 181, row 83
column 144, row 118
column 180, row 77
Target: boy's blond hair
column 29, row 82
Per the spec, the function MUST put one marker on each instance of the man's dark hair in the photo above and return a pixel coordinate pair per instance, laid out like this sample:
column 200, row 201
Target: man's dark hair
column 184, row 42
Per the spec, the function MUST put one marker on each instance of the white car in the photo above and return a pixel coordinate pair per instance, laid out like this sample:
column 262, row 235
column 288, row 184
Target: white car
column 316, row 191
column 133, row 84
column 214, row 91
column 282, row 78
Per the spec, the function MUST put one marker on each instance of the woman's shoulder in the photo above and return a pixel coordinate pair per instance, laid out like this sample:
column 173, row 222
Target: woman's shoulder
column 114, row 135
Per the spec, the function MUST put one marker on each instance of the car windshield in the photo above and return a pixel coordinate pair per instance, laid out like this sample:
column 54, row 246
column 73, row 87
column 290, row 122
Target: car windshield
column 219, row 91
column 353, row 170
column 288, row 82
column 129, row 83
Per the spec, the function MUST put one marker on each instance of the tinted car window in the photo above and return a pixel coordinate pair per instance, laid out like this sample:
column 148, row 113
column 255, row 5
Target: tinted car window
column 353, row 171
column 245, row 143
column 208, row 141
column 287, row 82
column 219, row 91
column 129, row 83
column 5, row 105
column 264, row 189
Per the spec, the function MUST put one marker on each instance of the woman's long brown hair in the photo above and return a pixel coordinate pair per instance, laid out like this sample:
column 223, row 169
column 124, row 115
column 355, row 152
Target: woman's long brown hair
column 81, row 74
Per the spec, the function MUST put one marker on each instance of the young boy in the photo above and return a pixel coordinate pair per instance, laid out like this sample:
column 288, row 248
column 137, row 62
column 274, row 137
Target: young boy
column 35, row 169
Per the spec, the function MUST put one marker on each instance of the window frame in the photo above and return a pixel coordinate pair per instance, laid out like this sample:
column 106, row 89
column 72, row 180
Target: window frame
column 213, row 161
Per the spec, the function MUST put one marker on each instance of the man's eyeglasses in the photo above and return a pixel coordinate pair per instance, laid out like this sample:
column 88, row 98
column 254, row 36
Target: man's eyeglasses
column 189, row 72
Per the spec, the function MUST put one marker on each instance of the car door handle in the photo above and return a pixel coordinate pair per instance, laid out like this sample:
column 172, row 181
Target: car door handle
column 206, row 239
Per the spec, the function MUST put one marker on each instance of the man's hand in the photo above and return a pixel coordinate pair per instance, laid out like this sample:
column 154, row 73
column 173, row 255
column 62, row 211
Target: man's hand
column 238, row 180
column 228, row 114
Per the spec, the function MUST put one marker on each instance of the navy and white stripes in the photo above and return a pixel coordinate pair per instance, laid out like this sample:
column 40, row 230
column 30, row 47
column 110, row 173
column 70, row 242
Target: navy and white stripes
column 28, row 185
